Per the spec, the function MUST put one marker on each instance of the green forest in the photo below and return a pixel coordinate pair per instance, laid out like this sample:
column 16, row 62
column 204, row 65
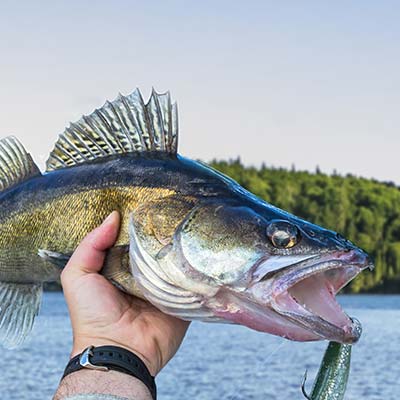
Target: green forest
column 363, row 210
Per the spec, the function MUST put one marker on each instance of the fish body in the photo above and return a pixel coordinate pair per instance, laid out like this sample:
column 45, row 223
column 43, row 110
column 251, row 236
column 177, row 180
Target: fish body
column 65, row 204
column 192, row 241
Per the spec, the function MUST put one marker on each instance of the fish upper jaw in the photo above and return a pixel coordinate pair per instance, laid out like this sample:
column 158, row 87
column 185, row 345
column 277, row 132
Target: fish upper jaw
column 304, row 294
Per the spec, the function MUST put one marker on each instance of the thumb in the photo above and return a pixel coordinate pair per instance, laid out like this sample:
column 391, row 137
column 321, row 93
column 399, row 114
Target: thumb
column 89, row 255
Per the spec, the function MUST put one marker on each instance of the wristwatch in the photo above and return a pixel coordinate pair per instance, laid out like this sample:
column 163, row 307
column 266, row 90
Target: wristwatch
column 105, row 358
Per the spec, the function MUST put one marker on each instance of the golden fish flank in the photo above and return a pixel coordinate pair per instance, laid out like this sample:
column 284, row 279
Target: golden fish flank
column 76, row 213
column 192, row 241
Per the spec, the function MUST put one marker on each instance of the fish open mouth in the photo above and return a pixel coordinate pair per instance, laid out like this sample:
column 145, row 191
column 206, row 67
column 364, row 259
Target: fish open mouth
column 306, row 295
column 296, row 301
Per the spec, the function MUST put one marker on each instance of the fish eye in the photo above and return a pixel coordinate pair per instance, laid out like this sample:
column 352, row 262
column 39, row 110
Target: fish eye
column 282, row 234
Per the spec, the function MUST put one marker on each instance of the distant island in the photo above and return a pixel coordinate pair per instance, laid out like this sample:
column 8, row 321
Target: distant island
column 365, row 211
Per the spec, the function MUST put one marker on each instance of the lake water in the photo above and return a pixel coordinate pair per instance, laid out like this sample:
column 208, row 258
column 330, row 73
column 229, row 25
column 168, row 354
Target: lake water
column 223, row 361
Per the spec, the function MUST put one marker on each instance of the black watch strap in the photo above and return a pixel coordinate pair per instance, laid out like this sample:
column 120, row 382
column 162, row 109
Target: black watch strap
column 104, row 358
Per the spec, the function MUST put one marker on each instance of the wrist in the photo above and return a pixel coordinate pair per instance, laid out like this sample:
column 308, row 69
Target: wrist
column 97, row 382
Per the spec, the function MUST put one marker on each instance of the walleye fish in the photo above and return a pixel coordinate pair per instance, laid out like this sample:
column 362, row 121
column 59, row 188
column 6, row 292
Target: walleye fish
column 192, row 241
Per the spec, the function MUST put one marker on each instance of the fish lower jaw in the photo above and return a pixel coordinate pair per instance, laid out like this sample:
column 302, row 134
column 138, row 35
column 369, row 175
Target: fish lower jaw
column 238, row 308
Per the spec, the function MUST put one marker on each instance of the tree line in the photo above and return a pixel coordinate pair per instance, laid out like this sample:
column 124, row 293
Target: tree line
column 365, row 211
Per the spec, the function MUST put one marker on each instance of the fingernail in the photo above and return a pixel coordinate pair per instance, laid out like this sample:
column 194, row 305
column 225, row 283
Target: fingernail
column 109, row 218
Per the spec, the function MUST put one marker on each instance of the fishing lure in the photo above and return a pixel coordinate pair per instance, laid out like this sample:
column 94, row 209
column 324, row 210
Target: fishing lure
column 333, row 374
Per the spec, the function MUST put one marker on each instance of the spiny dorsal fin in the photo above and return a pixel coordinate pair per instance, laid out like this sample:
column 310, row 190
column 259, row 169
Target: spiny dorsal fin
column 126, row 125
column 16, row 165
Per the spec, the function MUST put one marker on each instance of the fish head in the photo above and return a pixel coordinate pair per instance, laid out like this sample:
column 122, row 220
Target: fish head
column 253, row 264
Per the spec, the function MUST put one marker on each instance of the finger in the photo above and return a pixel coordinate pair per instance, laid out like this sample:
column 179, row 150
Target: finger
column 89, row 255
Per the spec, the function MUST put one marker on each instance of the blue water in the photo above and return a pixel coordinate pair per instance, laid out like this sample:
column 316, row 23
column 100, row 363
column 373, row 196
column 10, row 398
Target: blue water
column 223, row 361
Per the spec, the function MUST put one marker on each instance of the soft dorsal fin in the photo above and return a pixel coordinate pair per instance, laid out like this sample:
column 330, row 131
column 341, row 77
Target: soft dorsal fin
column 16, row 165
column 126, row 125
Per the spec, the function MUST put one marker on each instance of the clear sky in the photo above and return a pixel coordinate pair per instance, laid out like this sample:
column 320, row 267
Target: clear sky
column 281, row 82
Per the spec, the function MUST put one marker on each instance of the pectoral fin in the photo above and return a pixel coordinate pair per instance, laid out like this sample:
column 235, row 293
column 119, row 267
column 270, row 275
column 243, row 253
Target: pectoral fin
column 116, row 267
column 58, row 259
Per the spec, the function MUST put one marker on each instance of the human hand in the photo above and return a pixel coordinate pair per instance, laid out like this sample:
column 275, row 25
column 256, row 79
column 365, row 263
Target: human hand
column 101, row 314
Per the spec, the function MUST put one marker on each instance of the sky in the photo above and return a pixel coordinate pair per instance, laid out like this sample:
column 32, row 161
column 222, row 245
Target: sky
column 281, row 82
